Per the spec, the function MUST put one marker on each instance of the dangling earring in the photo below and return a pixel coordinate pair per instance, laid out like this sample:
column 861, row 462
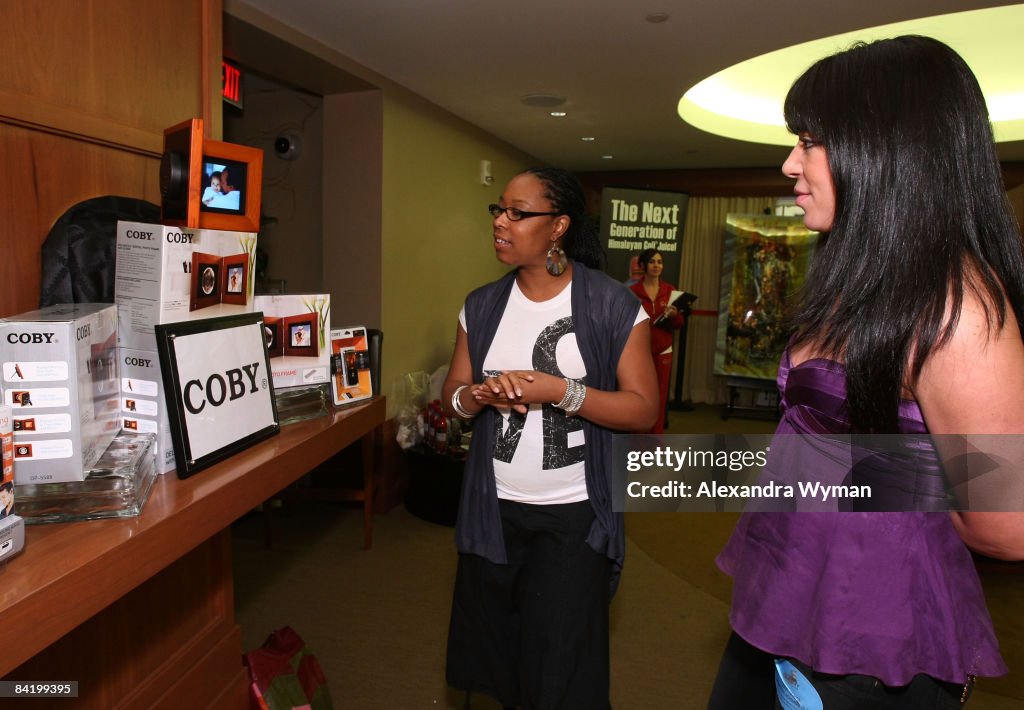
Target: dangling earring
column 556, row 263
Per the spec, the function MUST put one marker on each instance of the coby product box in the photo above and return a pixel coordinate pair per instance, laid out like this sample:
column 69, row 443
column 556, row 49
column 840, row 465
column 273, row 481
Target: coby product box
column 170, row 274
column 143, row 409
column 350, row 365
column 7, row 451
column 60, row 380
column 297, row 330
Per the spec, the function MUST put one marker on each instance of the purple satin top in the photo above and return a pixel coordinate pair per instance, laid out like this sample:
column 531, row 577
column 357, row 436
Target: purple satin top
column 888, row 595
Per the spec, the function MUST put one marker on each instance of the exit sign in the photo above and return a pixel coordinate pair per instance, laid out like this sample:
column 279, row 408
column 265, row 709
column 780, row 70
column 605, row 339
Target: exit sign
column 231, row 83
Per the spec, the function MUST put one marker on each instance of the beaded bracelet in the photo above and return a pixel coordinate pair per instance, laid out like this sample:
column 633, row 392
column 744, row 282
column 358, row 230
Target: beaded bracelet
column 457, row 404
column 575, row 393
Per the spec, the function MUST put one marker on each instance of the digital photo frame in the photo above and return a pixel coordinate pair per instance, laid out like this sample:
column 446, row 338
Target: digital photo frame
column 218, row 279
column 209, row 184
column 301, row 336
column 232, row 177
column 236, row 279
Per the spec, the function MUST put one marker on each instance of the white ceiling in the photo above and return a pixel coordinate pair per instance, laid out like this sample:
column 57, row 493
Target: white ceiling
column 622, row 75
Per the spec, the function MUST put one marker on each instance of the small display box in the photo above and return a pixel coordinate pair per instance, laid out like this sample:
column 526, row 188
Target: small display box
column 60, row 379
column 296, row 328
column 171, row 274
column 350, row 365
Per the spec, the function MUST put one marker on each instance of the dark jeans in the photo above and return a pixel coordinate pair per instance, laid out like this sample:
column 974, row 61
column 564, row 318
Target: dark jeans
column 746, row 679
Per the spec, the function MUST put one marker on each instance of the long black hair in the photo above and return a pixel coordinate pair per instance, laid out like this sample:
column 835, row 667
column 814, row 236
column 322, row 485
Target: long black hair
column 921, row 214
column 563, row 190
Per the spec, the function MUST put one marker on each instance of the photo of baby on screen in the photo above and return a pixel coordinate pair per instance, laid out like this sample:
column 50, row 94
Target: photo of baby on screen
column 223, row 184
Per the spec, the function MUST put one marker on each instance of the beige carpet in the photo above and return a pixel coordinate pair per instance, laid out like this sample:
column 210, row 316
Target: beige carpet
column 378, row 619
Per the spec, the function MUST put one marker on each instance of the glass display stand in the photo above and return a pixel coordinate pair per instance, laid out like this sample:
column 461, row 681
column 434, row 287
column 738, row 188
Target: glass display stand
column 294, row 404
column 116, row 487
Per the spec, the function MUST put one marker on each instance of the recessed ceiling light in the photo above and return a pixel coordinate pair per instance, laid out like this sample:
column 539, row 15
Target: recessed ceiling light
column 543, row 100
column 558, row 114
column 656, row 18
column 607, row 157
column 745, row 100
column 587, row 139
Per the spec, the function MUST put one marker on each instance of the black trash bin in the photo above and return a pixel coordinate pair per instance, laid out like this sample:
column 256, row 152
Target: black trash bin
column 435, row 483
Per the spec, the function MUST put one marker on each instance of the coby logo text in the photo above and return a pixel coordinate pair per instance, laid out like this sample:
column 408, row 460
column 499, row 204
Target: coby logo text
column 137, row 361
column 83, row 332
column 26, row 338
column 218, row 388
column 179, row 238
column 136, row 234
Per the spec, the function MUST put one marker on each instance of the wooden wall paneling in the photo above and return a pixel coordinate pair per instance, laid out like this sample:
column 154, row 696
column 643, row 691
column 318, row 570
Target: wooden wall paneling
column 85, row 94
column 43, row 175
column 130, row 63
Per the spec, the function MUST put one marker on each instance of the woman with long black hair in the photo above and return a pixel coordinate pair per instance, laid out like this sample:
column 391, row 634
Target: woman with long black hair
column 909, row 324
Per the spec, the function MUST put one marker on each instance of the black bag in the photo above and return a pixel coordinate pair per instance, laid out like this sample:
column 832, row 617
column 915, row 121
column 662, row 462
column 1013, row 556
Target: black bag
column 78, row 254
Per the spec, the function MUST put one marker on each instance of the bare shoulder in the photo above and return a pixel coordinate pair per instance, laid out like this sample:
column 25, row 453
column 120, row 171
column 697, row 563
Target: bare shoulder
column 972, row 383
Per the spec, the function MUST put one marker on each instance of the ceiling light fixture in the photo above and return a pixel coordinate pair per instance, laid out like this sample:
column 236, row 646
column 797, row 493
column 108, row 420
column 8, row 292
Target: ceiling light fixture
column 558, row 114
column 656, row 18
column 745, row 101
column 543, row 100
column 587, row 139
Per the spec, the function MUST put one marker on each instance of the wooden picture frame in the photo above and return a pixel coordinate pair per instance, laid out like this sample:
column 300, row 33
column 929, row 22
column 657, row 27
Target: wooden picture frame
column 235, row 287
column 301, row 335
column 218, row 279
column 217, row 387
column 237, row 206
column 205, row 286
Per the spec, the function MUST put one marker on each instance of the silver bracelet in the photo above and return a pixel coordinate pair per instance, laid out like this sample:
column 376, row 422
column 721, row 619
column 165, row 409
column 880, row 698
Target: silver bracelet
column 575, row 393
column 457, row 405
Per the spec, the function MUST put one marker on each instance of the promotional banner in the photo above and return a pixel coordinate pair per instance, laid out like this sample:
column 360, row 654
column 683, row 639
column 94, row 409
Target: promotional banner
column 635, row 220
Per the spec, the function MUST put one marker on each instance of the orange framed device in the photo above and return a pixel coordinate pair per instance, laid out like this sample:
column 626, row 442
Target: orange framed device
column 209, row 184
column 180, row 168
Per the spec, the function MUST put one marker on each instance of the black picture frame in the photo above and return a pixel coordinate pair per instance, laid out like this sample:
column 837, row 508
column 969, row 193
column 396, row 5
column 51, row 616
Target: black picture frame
column 217, row 386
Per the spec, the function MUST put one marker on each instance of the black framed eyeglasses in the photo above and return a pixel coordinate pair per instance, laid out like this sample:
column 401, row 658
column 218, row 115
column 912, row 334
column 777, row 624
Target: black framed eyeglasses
column 515, row 214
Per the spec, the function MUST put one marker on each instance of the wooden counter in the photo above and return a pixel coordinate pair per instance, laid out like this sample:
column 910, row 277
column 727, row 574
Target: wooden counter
column 140, row 611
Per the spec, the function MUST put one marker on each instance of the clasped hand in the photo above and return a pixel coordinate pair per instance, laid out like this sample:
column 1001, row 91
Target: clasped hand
column 517, row 390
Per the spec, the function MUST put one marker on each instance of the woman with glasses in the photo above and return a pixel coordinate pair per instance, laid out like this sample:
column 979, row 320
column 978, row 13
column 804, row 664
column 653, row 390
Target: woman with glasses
column 549, row 360
column 655, row 294
column 908, row 327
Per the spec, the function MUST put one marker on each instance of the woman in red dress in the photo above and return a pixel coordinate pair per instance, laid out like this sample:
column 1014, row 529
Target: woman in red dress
column 665, row 320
